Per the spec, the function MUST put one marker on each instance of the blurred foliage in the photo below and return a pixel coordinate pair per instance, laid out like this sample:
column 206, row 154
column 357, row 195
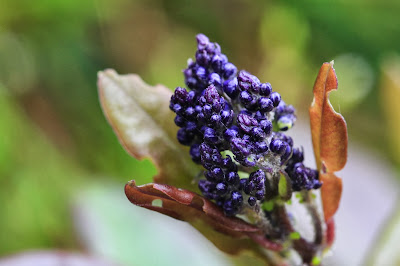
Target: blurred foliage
column 54, row 135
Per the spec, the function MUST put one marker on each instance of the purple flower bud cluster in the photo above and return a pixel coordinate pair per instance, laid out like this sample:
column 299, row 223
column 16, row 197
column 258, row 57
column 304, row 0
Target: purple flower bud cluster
column 233, row 121
column 302, row 177
column 210, row 67
column 222, row 182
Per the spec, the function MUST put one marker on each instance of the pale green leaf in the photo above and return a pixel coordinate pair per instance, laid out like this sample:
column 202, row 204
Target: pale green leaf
column 141, row 119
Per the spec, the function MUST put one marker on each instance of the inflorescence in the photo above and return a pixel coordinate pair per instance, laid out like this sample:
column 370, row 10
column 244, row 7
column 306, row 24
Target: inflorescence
column 234, row 124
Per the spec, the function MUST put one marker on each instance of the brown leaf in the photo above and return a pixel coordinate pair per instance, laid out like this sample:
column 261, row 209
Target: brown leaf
column 329, row 136
column 331, row 191
column 328, row 128
column 330, row 232
column 141, row 119
column 230, row 234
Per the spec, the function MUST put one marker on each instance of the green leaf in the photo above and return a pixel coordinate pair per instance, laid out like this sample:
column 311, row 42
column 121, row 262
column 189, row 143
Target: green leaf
column 294, row 235
column 268, row 205
column 141, row 119
column 285, row 191
column 316, row 261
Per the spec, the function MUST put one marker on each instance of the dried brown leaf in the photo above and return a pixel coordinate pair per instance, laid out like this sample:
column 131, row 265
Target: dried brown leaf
column 328, row 128
column 329, row 136
column 331, row 192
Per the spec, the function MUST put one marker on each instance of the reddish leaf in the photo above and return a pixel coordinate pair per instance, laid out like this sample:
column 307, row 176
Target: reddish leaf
column 328, row 128
column 330, row 232
column 230, row 234
column 331, row 191
column 329, row 136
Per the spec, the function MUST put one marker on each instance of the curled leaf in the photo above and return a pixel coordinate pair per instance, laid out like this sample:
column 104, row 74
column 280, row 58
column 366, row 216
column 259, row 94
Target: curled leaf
column 328, row 128
column 230, row 234
column 329, row 137
column 141, row 119
column 331, row 192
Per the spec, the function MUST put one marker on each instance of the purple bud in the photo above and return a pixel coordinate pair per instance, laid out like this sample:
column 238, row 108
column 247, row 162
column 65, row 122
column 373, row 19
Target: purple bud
column 259, row 116
column 230, row 88
column 229, row 70
column 216, row 63
column 287, row 153
column 260, row 194
column 243, row 183
column 277, row 146
column 217, row 173
column 246, row 122
column 191, row 126
column 240, row 147
column 266, row 125
column 184, row 137
column 275, row 98
column 215, row 119
column 297, row 155
column 232, row 178
column 210, row 136
column 191, row 96
column 221, row 189
column 249, row 188
column 265, row 89
column 190, row 112
column 265, row 104
column 201, row 73
column 252, row 201
column 202, row 41
column 231, row 133
column 211, row 94
column 195, row 153
column 181, row 95
column 179, row 121
column 177, row 108
column 228, row 208
column 224, row 58
column 202, row 58
column 207, row 110
column 261, row 147
column 236, row 197
column 215, row 79
column 245, row 97
column 227, row 117
column 257, row 133
column 248, row 81
column 191, row 82
column 205, row 186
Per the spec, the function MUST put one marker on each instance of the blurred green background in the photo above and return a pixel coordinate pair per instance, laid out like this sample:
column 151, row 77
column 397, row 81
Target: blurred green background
column 54, row 139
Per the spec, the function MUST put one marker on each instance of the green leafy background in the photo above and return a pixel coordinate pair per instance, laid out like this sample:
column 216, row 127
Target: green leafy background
column 55, row 141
